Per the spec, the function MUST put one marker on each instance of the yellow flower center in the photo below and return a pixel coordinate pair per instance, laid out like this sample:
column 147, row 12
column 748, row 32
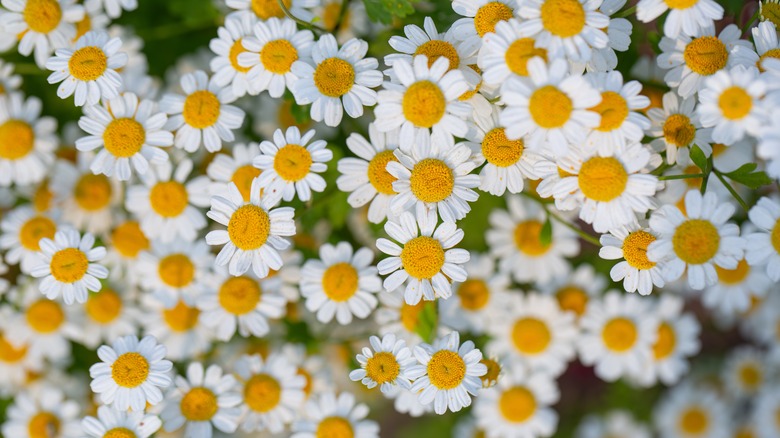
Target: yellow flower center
column 129, row 240
column 563, row 18
column 42, row 16
column 771, row 53
column 531, row 335
column 446, row 369
column 69, row 265
column 619, row 334
column 130, row 370
column 44, row 425
column 666, row 342
column 528, row 238
column 236, row 49
column 120, row 432
column 382, row 367
column 17, row 139
column 104, row 307
column 735, row 103
column 243, row 177
column 239, row 295
column 613, row 110
column 334, row 77
column 168, row 198
column 83, row 26
column 733, row 276
column 249, row 227
column 750, row 375
column 277, row 56
column 775, row 236
column 124, row 137
column 92, row 192
column 550, row 107
column 706, row 55
column 176, row 270
column 473, row 294
column 517, row 404
column 307, row 388
column 489, row 15
column 493, row 370
column 696, row 241
column 335, row 427
column 9, row 353
column 680, row 4
column 35, row 229
column 292, row 162
column 423, row 104
column 262, row 393
column 770, row 11
column 265, row 9
column 340, row 282
column 201, row 109
column 499, row 150
column 678, row 130
column 410, row 315
column 744, row 432
column 573, row 299
column 45, row 316
column 378, row 175
column 694, row 421
column 431, row 180
column 435, row 49
column 181, row 317
column 602, row 178
column 422, row 257
column 199, row 404
column 88, row 63
column 518, row 54
column 635, row 249
column 42, row 197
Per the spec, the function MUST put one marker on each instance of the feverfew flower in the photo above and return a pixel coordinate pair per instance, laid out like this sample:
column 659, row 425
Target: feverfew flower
column 638, row 273
column 227, row 46
column 386, row 365
column 110, row 420
column 763, row 246
column 27, row 141
column 730, row 103
column 331, row 415
column 686, row 16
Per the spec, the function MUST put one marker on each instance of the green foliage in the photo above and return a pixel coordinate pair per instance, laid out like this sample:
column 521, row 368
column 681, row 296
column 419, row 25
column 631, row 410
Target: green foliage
column 545, row 236
column 748, row 176
column 428, row 320
column 383, row 11
column 698, row 158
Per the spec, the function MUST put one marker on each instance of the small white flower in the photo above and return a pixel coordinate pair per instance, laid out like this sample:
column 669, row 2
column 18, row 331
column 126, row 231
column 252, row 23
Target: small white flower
column 22, row 230
column 227, row 46
column 638, row 273
column 27, row 141
column 42, row 413
column 386, row 365
column 763, row 246
column 111, row 420
column 688, row 17
column 730, row 103
column 114, row 7
column 688, row 411
column 676, row 127
column 332, row 415
column 175, row 270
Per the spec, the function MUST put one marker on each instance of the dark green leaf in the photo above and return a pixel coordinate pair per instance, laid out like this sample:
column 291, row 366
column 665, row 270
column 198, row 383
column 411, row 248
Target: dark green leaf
column 698, row 158
column 545, row 238
column 399, row 8
column 746, row 176
column 377, row 11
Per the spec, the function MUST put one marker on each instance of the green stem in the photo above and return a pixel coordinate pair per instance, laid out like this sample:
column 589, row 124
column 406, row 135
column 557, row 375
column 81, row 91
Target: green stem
column 706, row 176
column 750, row 22
column 300, row 22
column 731, row 190
column 683, row 176
column 627, row 12
column 585, row 236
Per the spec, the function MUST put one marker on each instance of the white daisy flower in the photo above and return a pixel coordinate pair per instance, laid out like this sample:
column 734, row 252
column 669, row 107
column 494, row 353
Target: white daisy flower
column 736, row 289
column 550, row 109
column 480, row 17
column 506, row 50
column 676, row 127
column 424, row 258
column 27, row 140
column 629, row 244
column 9, row 82
column 178, row 328
column 43, row 25
column 68, row 265
column 267, row 9
column 424, row 102
column 270, row 53
column 114, row 7
column 89, row 69
column 688, row 16
column 201, row 402
column 203, row 115
column 574, row 291
column 763, row 246
column 616, row 423
column 125, row 243
column 22, row 230
column 44, row 413
column 255, row 231
column 570, row 28
column 386, row 365
column 235, row 167
column 698, row 240
column 621, row 122
column 766, row 42
column 128, row 131
column 273, row 392
column 618, row 333
column 407, row 402
column 730, row 103
column 112, row 421
column 131, row 374
column 290, row 165
column 338, row 80
column 105, row 316
column 176, row 270
column 227, row 46
column 687, row 411
column 365, row 177
column 619, row 33
column 335, row 415
column 745, row 372
column 17, row 362
column 447, row 373
column 340, row 284
column 433, row 177
column 768, row 142
column 166, row 203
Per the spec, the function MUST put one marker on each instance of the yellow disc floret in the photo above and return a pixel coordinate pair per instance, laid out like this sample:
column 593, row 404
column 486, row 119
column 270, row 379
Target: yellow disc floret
column 602, row 178
column 706, row 55
column 104, row 307
column 278, row 56
column 176, row 270
column 519, row 52
column 239, row 295
column 550, row 107
column 422, row 257
column 735, row 103
column 489, row 15
column 334, row 77
column 17, row 139
column 124, row 137
column 45, row 316
column 678, row 130
column 262, row 393
column 181, row 317
column 613, row 110
column 201, row 109
column 619, row 334
column 573, row 299
column 517, row 404
column 696, row 241
column 92, row 192
column 382, row 367
column 733, row 276
column 236, row 49
column 563, row 18
column 446, row 369
column 130, row 370
column 249, row 227
column 292, row 162
column 340, row 282
column 474, row 294
column 528, row 238
column 680, row 4
column 69, row 265
column 168, row 198
column 499, row 150
column 35, row 229
column 9, row 353
column 88, row 63
column 378, row 175
column 265, row 9
column 435, row 49
column 531, row 335
column 243, row 177
column 665, row 343
column 432, row 180
column 635, row 249
column 335, row 427
column 42, row 16
column 43, row 425
column 423, row 104
column 199, row 404
column 129, row 240
column 120, row 432
column 694, row 421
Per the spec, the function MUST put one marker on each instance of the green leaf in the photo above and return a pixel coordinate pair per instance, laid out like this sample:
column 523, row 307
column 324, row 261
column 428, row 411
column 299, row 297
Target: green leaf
column 545, row 237
column 377, row 11
column 399, row 8
column 427, row 321
column 747, row 176
column 699, row 159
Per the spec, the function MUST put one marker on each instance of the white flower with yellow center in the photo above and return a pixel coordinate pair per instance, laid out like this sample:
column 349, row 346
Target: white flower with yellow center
column 272, row 392
column 9, row 82
column 618, row 333
column 424, row 258
column 515, row 239
column 621, row 122
column 574, row 291
column 619, row 33
column 166, row 203
column 255, row 231
column 334, row 415
column 505, row 52
column 203, row 115
column 114, row 7
column 480, row 17
column 242, row 302
column 551, row 108
column 691, row 59
column 203, row 401
column 616, row 423
column 124, row 244
column 338, row 80
column 763, row 246
column 676, row 127
column 16, row 361
column 535, row 332
column 407, row 402
column 745, row 372
column 131, row 374
column 227, row 46
column 176, row 270
column 689, row 411
column 766, row 42
column 737, row 289
column 730, row 102
column 68, row 265
column 769, row 143
column 27, row 141
column 629, row 245
column 111, row 422
column 235, row 167
column 423, row 101
column 570, row 28
column 519, row 405
column 268, row 9
column 686, row 16
column 22, row 229
column 291, row 164
column 43, row 25
column 386, row 365
column 698, row 240
column 127, row 131
column 270, row 53
column 365, row 177
column 42, row 413
column 341, row 283
column 178, row 328
column 105, row 316
column 89, row 69
column 433, row 177
column 447, row 373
